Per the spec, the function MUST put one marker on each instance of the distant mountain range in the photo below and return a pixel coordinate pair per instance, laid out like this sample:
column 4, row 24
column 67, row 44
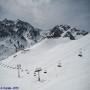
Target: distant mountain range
column 18, row 35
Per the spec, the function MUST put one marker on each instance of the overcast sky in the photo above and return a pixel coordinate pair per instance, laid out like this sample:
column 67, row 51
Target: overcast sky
column 48, row 13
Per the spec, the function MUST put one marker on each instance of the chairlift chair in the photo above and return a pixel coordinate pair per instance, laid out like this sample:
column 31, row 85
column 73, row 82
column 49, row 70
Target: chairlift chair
column 34, row 73
column 80, row 55
column 27, row 72
column 45, row 71
column 59, row 65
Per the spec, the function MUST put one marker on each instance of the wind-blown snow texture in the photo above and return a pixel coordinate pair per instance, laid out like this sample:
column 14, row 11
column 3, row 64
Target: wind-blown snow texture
column 73, row 74
column 18, row 35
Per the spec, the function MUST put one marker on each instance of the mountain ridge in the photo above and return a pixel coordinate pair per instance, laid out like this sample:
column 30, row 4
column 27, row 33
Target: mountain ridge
column 18, row 35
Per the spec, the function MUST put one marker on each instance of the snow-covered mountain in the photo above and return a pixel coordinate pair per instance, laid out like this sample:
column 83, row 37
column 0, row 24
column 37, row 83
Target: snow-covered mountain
column 64, row 65
column 15, row 36
column 18, row 35
column 66, row 31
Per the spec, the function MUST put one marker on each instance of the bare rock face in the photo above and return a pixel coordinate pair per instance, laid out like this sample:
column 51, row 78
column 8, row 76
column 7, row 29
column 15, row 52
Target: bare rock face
column 18, row 35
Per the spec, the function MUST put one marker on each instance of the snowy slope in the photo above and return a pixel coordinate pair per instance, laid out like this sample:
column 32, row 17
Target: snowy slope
column 73, row 75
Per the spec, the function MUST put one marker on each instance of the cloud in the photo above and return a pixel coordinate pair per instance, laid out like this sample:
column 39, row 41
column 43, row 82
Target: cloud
column 47, row 13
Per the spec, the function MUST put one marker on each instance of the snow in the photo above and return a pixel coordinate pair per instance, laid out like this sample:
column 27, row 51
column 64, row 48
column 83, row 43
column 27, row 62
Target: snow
column 73, row 75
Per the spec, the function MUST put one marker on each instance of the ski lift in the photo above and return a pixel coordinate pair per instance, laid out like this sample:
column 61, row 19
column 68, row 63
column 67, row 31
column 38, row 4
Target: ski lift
column 34, row 73
column 45, row 72
column 59, row 65
column 38, row 69
column 80, row 53
column 37, row 72
column 27, row 72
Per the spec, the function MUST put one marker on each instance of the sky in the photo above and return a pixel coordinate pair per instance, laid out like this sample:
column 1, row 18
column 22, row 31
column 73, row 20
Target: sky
column 45, row 14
